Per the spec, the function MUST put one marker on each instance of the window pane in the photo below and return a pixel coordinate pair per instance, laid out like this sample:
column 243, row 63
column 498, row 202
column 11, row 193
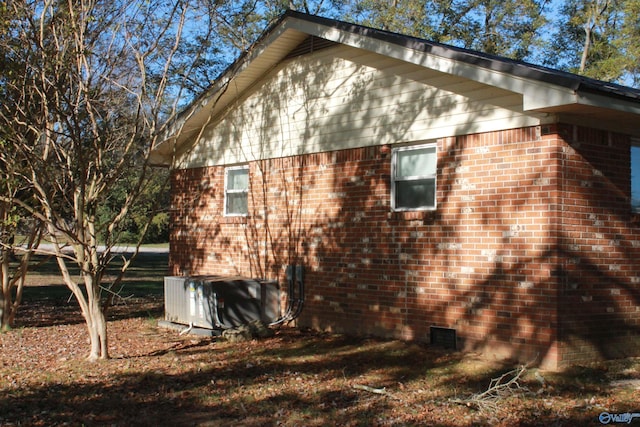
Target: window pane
column 419, row 162
column 237, row 203
column 635, row 178
column 415, row 194
column 237, row 179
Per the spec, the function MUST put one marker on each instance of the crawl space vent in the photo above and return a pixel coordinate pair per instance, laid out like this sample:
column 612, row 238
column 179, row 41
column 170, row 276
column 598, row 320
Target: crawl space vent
column 443, row 337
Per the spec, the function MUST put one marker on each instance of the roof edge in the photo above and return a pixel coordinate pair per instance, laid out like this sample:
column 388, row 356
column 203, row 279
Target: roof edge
column 560, row 79
column 492, row 62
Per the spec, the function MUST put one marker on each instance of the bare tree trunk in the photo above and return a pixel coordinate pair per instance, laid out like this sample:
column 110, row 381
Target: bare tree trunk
column 8, row 303
column 97, row 326
column 5, row 289
column 14, row 279
column 90, row 302
column 596, row 11
column 586, row 46
column 4, row 301
column 96, row 322
column 92, row 312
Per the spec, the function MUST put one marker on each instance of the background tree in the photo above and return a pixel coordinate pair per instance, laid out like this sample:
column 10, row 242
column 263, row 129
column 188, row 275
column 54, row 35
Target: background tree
column 628, row 43
column 508, row 28
column 409, row 17
column 91, row 86
column 135, row 226
column 597, row 38
column 15, row 251
column 239, row 23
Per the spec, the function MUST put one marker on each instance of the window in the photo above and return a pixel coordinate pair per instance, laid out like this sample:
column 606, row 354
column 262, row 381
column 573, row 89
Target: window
column 413, row 178
column 635, row 177
column 236, row 190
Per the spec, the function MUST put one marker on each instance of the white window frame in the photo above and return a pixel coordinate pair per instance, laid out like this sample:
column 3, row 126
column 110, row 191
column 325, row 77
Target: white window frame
column 431, row 175
column 227, row 191
column 634, row 172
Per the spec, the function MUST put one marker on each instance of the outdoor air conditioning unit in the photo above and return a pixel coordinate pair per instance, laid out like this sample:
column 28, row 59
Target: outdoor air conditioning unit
column 217, row 303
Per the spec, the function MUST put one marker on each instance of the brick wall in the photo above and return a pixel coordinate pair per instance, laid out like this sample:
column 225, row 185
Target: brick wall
column 600, row 248
column 510, row 253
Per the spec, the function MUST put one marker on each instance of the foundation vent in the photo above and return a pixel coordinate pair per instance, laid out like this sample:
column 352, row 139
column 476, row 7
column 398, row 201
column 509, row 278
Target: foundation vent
column 443, row 337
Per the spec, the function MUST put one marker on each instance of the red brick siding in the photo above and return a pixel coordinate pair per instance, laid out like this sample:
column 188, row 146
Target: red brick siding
column 495, row 260
column 600, row 270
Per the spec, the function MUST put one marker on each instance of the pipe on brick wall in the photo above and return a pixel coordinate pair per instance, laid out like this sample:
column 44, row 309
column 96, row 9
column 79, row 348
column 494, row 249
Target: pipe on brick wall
column 295, row 276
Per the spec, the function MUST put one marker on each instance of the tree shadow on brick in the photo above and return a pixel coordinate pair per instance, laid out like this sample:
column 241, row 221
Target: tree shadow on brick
column 496, row 260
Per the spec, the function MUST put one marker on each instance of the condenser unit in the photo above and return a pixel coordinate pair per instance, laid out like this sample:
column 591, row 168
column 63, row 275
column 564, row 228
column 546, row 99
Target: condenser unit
column 216, row 302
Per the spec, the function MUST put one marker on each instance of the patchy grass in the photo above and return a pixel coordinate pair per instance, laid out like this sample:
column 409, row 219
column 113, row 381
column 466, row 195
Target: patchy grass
column 143, row 277
column 47, row 301
column 295, row 378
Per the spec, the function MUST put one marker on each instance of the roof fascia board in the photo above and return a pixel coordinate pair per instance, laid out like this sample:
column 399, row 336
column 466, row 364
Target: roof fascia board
column 543, row 96
column 612, row 103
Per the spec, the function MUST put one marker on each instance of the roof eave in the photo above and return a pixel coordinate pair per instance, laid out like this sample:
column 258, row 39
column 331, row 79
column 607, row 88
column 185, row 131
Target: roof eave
column 224, row 89
column 543, row 89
